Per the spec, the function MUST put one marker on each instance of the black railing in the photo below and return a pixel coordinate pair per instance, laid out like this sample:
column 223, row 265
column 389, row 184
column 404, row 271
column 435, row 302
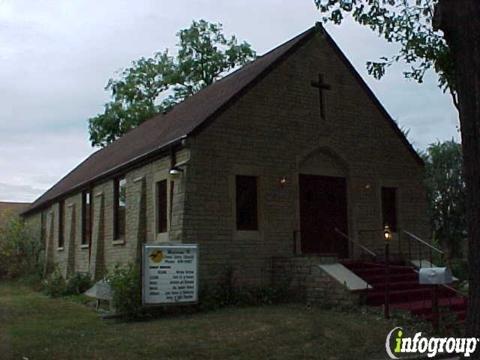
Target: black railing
column 356, row 243
column 424, row 247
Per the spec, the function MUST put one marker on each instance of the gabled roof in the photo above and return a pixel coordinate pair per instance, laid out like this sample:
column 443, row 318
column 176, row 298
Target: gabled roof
column 164, row 130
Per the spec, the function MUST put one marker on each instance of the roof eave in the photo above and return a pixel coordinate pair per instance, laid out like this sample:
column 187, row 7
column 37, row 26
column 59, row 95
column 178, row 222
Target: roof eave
column 138, row 160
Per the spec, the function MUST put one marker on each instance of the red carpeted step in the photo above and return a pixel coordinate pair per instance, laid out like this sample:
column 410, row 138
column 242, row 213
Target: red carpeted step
column 425, row 307
column 380, row 279
column 405, row 292
column 372, row 272
column 352, row 264
column 398, row 285
column 392, row 278
column 375, row 272
column 376, row 298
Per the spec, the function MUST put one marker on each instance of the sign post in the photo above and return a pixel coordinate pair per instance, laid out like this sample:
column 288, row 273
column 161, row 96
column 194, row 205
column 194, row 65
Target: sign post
column 170, row 274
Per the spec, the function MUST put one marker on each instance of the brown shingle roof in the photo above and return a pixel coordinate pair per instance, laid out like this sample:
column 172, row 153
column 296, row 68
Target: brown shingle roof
column 162, row 130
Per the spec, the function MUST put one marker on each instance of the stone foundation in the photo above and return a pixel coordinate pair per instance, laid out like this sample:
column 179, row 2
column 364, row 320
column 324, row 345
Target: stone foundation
column 308, row 282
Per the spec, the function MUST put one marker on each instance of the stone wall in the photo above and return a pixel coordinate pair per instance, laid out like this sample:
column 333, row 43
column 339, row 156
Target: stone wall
column 306, row 281
column 275, row 131
column 105, row 251
column 322, row 289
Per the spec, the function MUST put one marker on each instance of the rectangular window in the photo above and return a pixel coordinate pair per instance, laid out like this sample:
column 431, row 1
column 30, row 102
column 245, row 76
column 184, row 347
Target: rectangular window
column 119, row 208
column 61, row 213
column 86, row 217
column 389, row 207
column 44, row 229
column 172, row 190
column 162, row 207
column 246, row 202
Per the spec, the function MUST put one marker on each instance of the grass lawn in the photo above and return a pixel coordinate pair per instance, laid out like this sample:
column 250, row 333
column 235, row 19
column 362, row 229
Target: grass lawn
column 34, row 326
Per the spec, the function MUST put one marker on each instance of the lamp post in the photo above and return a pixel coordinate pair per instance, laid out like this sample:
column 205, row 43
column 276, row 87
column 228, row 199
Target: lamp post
column 387, row 236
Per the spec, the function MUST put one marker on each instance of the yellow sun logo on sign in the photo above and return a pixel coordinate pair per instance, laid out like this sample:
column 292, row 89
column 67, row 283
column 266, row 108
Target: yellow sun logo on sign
column 157, row 256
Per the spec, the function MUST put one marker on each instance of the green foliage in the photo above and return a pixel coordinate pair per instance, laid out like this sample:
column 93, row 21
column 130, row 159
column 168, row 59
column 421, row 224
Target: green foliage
column 78, row 284
column 446, row 195
column 55, row 285
column 204, row 55
column 409, row 23
column 21, row 251
column 156, row 84
column 126, row 286
column 228, row 293
column 448, row 324
column 459, row 268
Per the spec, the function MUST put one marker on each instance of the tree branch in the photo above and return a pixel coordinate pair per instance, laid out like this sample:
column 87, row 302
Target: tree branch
column 454, row 97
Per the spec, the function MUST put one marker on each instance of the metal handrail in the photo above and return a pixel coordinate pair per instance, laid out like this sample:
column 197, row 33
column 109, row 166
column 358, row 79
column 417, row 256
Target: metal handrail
column 413, row 236
column 364, row 248
column 458, row 292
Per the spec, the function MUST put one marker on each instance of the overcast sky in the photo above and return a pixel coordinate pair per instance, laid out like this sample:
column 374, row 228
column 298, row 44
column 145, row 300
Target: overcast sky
column 56, row 56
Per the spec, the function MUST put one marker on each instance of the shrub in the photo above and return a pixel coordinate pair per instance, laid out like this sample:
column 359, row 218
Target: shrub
column 54, row 285
column 126, row 286
column 459, row 269
column 21, row 252
column 270, row 295
column 78, row 284
column 228, row 293
column 212, row 298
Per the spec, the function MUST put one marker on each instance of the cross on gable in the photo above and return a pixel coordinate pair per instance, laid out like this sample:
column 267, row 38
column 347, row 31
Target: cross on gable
column 321, row 86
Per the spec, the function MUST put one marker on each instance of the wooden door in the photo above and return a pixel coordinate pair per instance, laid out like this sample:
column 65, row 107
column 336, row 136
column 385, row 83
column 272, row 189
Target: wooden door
column 323, row 207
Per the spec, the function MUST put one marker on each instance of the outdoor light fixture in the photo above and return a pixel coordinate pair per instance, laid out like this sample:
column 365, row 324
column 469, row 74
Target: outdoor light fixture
column 175, row 171
column 177, row 168
column 387, row 233
column 387, row 236
column 283, row 181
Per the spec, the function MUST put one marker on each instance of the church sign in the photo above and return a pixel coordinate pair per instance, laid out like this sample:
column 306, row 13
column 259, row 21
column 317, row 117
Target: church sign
column 170, row 274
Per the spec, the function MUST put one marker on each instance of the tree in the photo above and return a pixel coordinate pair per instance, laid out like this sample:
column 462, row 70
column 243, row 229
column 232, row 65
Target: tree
column 156, row 84
column 446, row 195
column 21, row 252
column 443, row 35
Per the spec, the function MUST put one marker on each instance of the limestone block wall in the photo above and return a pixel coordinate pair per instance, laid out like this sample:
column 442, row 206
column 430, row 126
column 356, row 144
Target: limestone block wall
column 123, row 251
column 105, row 252
column 294, row 273
column 54, row 254
column 305, row 281
column 322, row 289
column 271, row 132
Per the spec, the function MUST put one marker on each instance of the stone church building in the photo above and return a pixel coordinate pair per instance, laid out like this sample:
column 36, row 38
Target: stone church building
column 288, row 160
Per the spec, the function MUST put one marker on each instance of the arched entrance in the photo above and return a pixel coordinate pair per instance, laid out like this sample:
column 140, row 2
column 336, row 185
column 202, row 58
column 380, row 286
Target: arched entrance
column 323, row 204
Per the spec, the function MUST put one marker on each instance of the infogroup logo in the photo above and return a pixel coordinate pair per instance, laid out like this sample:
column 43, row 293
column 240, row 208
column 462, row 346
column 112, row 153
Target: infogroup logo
column 397, row 345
